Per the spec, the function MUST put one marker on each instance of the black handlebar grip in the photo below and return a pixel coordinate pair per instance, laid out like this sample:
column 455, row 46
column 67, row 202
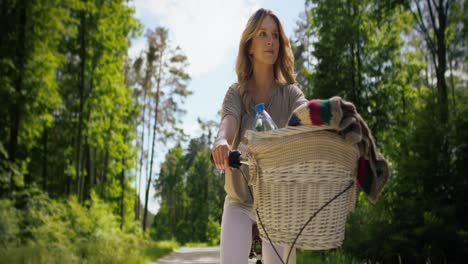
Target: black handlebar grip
column 234, row 159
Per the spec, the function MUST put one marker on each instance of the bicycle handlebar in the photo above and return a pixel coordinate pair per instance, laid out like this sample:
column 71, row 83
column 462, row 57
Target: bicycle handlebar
column 235, row 159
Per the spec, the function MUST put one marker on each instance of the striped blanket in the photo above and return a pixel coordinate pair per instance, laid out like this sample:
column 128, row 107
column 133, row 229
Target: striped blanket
column 341, row 116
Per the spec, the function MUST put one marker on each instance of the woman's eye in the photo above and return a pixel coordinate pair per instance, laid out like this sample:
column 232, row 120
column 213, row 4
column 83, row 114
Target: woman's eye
column 275, row 35
column 262, row 34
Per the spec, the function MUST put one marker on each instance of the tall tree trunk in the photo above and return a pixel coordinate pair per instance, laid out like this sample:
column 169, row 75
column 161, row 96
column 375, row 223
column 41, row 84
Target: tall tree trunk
column 148, row 150
column 148, row 153
column 308, row 88
column 438, row 14
column 82, row 173
column 104, row 172
column 434, row 34
column 87, row 161
column 107, row 143
column 142, row 153
column 95, row 168
column 146, row 87
column 452, row 83
column 442, row 61
column 81, row 87
column 44, row 159
column 352, row 54
column 16, row 111
column 122, row 197
column 91, row 168
column 359, row 73
column 156, row 109
column 85, row 187
column 68, row 184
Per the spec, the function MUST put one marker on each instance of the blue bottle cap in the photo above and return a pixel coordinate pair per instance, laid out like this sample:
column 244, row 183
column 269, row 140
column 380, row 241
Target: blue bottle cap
column 259, row 107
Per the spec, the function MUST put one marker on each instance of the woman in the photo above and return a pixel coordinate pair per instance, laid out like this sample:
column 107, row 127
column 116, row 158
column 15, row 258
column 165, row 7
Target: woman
column 265, row 73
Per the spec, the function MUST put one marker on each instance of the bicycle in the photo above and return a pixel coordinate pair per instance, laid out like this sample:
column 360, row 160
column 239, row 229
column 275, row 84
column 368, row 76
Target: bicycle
column 288, row 164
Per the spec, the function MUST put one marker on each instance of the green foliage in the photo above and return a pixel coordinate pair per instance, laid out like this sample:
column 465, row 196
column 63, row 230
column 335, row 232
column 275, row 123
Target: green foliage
column 196, row 244
column 67, row 129
column 37, row 229
column 71, row 103
column 11, row 173
column 369, row 52
column 420, row 215
column 213, row 230
column 160, row 82
column 9, row 228
column 191, row 194
column 67, row 118
column 29, row 58
column 318, row 257
column 157, row 249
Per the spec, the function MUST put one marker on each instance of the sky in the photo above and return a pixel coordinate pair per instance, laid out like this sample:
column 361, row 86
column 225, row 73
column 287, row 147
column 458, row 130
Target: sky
column 208, row 32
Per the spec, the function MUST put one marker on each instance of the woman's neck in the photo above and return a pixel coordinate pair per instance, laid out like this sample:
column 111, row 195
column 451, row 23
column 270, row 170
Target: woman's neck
column 263, row 80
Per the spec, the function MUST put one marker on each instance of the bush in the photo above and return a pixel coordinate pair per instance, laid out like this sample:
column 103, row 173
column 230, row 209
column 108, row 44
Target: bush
column 155, row 250
column 37, row 229
column 213, row 230
column 319, row 257
column 9, row 229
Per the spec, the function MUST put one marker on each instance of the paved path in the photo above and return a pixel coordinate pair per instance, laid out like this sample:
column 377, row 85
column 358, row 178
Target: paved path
column 192, row 255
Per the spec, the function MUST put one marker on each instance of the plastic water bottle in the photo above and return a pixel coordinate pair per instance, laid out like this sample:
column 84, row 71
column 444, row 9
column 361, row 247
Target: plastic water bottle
column 262, row 120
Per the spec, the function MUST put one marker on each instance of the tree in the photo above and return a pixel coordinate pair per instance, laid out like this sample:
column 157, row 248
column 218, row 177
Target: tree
column 171, row 192
column 146, row 84
column 357, row 49
column 369, row 52
column 170, row 81
column 31, row 33
column 334, row 49
column 190, row 192
column 88, row 129
column 432, row 18
column 47, row 103
column 302, row 50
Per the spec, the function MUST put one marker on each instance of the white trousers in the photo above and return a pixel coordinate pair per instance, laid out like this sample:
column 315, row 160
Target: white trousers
column 236, row 236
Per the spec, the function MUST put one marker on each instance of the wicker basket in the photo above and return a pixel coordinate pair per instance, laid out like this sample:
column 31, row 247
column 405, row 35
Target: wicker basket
column 295, row 171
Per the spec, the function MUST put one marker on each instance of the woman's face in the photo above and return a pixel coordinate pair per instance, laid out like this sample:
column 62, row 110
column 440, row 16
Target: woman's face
column 265, row 43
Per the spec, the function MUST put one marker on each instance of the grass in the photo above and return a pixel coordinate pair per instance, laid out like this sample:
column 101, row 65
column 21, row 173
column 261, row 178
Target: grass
column 158, row 249
column 149, row 252
column 318, row 257
column 196, row 244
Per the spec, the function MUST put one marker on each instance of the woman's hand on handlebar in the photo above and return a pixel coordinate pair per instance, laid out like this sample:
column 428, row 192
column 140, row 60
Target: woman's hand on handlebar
column 220, row 152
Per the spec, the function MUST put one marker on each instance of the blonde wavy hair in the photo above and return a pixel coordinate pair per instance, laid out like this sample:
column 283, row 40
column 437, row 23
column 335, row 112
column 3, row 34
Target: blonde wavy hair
column 284, row 64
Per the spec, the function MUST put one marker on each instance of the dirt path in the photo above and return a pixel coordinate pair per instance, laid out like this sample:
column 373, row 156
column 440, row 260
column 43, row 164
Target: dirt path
column 192, row 255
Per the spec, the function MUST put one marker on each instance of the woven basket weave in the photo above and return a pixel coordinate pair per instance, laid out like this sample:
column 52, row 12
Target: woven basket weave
column 295, row 171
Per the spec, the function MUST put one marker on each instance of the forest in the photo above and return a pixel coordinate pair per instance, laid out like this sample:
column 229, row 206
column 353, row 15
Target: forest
column 82, row 122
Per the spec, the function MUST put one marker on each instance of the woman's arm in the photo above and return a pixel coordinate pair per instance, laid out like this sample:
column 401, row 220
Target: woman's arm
column 296, row 98
column 226, row 134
